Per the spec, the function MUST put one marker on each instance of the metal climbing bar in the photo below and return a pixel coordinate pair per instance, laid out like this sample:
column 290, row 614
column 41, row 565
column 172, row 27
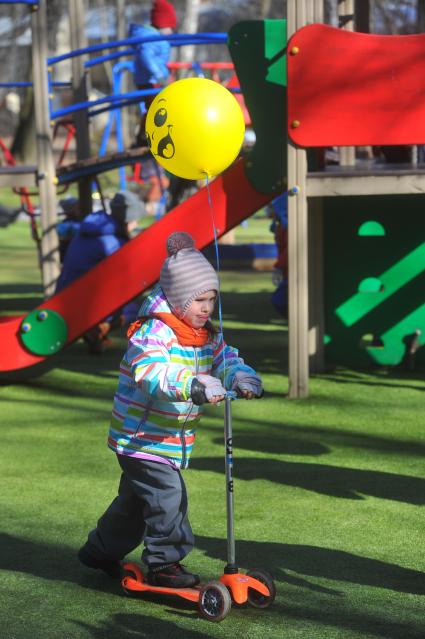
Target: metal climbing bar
column 175, row 39
column 29, row 2
column 117, row 99
column 24, row 85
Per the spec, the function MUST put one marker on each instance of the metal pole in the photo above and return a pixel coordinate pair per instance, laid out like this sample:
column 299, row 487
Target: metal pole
column 362, row 15
column 78, row 40
column 50, row 263
column 347, row 154
column 228, row 441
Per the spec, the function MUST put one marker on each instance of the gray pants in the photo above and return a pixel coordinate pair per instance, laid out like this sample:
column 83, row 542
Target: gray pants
column 151, row 506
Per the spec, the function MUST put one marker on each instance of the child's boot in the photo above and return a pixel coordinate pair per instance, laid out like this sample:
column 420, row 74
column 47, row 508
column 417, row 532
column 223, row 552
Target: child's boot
column 171, row 576
column 111, row 567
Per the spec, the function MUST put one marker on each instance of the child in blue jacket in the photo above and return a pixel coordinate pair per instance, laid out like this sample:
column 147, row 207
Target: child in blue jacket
column 172, row 349
column 99, row 235
column 151, row 58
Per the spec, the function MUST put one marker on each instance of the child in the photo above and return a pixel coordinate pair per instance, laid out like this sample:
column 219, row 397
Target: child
column 99, row 235
column 173, row 348
column 151, row 58
column 70, row 225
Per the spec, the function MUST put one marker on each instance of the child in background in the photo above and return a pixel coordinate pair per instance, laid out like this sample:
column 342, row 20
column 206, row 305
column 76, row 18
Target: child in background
column 99, row 236
column 173, row 349
column 279, row 228
column 70, row 225
column 151, row 58
column 150, row 72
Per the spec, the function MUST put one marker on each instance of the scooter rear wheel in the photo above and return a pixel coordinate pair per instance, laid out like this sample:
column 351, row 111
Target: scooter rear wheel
column 214, row 602
column 255, row 598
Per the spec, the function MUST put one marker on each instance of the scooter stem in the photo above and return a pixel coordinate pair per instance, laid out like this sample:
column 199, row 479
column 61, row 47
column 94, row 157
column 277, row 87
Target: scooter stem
column 231, row 567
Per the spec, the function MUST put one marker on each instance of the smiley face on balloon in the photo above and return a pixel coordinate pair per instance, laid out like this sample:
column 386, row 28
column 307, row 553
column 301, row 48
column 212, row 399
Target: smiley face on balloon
column 163, row 145
column 195, row 128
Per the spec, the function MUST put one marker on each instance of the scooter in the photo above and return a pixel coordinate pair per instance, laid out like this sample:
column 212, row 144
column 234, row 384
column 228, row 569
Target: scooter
column 214, row 599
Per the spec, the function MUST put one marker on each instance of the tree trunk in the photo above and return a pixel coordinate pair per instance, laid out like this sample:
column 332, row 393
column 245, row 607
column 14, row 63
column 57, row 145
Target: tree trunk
column 189, row 25
column 23, row 146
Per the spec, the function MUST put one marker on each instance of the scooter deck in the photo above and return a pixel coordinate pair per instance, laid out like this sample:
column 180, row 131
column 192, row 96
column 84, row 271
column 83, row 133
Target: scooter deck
column 138, row 584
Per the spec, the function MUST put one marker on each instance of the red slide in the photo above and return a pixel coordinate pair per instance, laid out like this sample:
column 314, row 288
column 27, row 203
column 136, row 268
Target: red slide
column 128, row 272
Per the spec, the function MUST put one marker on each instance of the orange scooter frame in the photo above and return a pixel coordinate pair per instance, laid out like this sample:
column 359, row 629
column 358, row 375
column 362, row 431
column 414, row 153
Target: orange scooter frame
column 136, row 583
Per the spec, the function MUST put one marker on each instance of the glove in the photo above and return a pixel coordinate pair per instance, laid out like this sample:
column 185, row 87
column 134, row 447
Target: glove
column 213, row 389
column 245, row 383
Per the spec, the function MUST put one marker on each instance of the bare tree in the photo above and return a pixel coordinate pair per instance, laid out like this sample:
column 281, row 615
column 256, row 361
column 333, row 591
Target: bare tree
column 23, row 145
column 189, row 25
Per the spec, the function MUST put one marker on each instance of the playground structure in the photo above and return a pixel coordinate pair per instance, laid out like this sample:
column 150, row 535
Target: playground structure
column 336, row 313
column 331, row 77
column 32, row 340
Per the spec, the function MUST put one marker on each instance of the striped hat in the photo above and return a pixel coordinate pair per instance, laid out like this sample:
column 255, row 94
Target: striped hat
column 185, row 274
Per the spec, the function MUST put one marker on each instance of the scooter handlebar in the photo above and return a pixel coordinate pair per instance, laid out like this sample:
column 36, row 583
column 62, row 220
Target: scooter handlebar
column 198, row 396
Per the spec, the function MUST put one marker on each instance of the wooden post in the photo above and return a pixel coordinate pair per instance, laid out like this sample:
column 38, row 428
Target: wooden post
column 50, row 263
column 77, row 12
column 299, row 13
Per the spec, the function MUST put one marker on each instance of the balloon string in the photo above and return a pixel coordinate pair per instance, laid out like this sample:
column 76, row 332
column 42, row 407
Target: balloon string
column 217, row 257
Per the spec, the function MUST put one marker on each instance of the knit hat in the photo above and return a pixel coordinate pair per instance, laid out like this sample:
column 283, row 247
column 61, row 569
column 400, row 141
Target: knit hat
column 69, row 205
column 185, row 274
column 163, row 15
column 126, row 207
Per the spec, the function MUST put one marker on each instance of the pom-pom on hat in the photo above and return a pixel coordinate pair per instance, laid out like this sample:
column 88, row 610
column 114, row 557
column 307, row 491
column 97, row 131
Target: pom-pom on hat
column 186, row 273
column 163, row 15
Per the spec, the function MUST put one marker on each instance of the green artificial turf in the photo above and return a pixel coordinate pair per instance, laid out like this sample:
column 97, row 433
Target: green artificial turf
column 329, row 491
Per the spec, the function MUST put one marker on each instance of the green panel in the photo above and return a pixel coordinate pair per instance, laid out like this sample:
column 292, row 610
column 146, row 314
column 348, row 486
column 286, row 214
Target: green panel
column 406, row 269
column 373, row 327
column 44, row 332
column 370, row 285
column 258, row 53
column 371, row 228
column 393, row 354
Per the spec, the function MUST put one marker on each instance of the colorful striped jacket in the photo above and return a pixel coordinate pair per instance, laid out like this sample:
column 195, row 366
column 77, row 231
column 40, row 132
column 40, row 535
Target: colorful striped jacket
column 153, row 416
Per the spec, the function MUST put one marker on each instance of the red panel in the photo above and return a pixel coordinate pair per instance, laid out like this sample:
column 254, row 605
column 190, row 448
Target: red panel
column 136, row 266
column 348, row 88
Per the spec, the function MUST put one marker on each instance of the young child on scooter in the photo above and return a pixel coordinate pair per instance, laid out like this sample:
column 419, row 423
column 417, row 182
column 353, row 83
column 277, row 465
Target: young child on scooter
column 172, row 349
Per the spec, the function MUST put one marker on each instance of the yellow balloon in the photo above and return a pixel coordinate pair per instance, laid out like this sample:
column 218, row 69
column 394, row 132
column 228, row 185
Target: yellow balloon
column 195, row 128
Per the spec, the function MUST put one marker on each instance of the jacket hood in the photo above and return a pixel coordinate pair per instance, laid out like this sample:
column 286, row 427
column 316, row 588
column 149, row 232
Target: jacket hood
column 99, row 223
column 155, row 302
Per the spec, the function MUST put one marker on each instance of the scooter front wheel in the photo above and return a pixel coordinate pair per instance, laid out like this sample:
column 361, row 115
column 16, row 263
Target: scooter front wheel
column 214, row 601
column 257, row 599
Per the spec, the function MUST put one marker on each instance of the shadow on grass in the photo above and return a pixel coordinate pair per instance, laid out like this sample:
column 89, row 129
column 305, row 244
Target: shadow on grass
column 130, row 626
column 347, row 483
column 19, row 298
column 281, row 442
column 321, row 563
column 351, row 621
column 293, row 439
column 295, row 565
column 21, row 289
column 371, row 378
column 59, row 562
